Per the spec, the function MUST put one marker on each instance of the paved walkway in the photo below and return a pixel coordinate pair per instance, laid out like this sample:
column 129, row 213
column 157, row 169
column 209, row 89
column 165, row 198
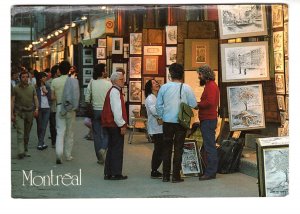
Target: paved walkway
column 137, row 159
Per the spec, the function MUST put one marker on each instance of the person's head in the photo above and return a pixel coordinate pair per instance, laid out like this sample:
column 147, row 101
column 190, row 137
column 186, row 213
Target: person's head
column 64, row 67
column 151, row 87
column 205, row 74
column 14, row 75
column 54, row 71
column 47, row 70
column 73, row 70
column 24, row 76
column 117, row 78
column 99, row 71
column 176, row 71
column 41, row 79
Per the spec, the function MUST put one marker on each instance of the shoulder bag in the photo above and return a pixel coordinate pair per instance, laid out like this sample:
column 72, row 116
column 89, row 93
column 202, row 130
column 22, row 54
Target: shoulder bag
column 185, row 113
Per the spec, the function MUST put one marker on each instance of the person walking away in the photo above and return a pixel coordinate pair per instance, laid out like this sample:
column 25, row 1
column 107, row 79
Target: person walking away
column 114, row 118
column 167, row 107
column 96, row 92
column 208, row 114
column 43, row 92
column 65, row 91
column 24, row 105
column 154, row 129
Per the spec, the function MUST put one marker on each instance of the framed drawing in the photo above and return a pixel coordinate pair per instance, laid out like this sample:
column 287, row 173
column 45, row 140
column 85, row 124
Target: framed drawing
column 287, row 106
column 242, row 21
column 278, row 41
column 152, row 50
column 102, row 43
column 247, row 61
column 273, row 166
column 135, row 91
column 160, row 80
column 150, row 65
column 115, row 66
column 279, row 83
column 190, row 161
column 136, row 40
column 87, row 60
column 87, row 72
column 101, row 53
column 245, row 107
column 171, row 53
column 285, row 13
column 278, row 61
column 286, row 74
column 283, row 117
column 277, row 16
column 145, row 80
column 103, row 61
column 281, row 102
column 126, row 51
column 171, row 35
column 168, row 76
column 155, row 36
column 117, row 46
column 285, row 39
column 133, row 108
column 86, row 80
column 135, row 67
column 87, row 52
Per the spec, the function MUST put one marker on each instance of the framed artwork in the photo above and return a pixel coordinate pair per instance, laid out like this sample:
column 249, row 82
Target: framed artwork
column 143, row 97
column 283, row 117
column 190, row 160
column 115, row 66
column 285, row 39
column 278, row 41
column 136, row 43
column 273, row 166
column 286, row 74
column 86, row 80
column 87, row 72
column 242, row 21
column 201, row 30
column 245, row 107
column 87, row 60
column 117, row 46
column 281, row 102
column 101, row 53
column 278, row 61
column 171, row 35
column 285, row 13
column 247, row 61
column 150, row 65
column 287, row 106
column 135, row 91
column 171, row 53
column 277, row 16
column 168, row 76
column 102, row 43
column 152, row 50
column 145, row 80
column 103, row 61
column 133, row 108
column 180, row 54
column 279, row 83
column 87, row 52
column 126, row 51
column 155, row 36
column 135, row 67
column 160, row 80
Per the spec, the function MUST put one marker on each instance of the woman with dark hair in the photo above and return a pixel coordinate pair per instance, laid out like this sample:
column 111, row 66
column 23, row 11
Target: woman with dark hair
column 154, row 128
column 43, row 92
column 95, row 93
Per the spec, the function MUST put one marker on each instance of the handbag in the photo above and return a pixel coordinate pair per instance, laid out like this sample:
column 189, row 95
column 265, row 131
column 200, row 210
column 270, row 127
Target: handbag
column 185, row 113
column 89, row 111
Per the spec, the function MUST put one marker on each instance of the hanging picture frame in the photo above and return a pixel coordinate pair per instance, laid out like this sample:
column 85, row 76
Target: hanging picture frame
column 242, row 21
column 278, row 41
column 150, row 65
column 286, row 39
column 136, row 40
column 117, row 45
column 135, row 91
column 279, row 83
column 168, row 76
column 246, row 107
column 87, row 72
column 126, row 51
column 86, row 80
column 152, row 50
column 103, row 61
column 281, row 102
column 135, row 67
column 101, row 53
column 286, row 74
column 171, row 35
column 101, row 43
column 88, row 60
column 87, row 52
column 133, row 108
column 279, row 61
column 277, row 16
column 171, row 55
column 247, row 61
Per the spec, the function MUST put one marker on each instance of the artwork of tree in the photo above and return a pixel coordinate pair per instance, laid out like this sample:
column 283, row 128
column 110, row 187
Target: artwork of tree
column 282, row 162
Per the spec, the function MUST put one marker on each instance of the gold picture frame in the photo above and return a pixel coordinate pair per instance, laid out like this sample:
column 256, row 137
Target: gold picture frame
column 150, row 65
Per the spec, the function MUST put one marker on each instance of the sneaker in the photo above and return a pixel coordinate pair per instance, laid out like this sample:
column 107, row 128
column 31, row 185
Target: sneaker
column 156, row 175
column 45, row 147
column 39, row 148
column 69, row 158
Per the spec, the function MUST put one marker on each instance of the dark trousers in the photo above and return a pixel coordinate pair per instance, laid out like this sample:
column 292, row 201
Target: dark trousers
column 114, row 155
column 42, row 123
column 99, row 133
column 174, row 134
column 208, row 130
column 157, row 154
column 52, row 122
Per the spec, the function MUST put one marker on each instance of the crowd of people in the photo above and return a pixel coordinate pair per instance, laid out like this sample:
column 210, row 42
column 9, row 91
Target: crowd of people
column 53, row 97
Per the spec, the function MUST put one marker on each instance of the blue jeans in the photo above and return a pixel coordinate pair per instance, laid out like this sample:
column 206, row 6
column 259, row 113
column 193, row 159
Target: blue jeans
column 43, row 118
column 208, row 130
column 99, row 133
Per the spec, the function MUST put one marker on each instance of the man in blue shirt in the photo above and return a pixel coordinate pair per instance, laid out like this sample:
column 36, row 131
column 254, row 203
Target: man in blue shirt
column 167, row 107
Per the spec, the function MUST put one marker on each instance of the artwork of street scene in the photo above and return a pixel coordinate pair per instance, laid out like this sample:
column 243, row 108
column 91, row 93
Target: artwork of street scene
column 190, row 162
column 242, row 19
column 245, row 107
column 276, row 165
column 248, row 62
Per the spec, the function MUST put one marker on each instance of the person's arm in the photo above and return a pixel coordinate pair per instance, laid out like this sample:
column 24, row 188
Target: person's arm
column 160, row 104
column 191, row 98
column 53, row 96
column 151, row 106
column 116, row 107
column 209, row 95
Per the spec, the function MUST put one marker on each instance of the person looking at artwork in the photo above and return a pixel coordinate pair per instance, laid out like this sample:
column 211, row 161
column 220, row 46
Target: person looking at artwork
column 167, row 108
column 155, row 130
column 96, row 93
column 208, row 114
column 73, row 72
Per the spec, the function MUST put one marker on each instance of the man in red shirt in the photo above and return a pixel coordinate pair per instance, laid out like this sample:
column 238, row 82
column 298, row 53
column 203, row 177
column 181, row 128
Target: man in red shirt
column 208, row 119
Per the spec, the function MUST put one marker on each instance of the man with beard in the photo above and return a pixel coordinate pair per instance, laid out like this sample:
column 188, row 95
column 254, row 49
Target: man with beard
column 208, row 119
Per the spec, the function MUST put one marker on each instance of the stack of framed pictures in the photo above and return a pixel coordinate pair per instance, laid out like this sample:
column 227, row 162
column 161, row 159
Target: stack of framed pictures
column 191, row 164
column 87, row 66
column 273, row 166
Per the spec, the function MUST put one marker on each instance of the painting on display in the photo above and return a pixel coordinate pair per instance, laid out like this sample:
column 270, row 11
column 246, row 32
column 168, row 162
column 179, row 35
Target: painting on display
column 278, row 41
column 242, row 21
column 101, row 53
column 115, row 66
column 150, row 65
column 117, row 46
column 278, row 61
column 86, row 80
column 87, row 52
column 285, row 13
column 87, row 61
column 287, row 106
column 136, row 40
column 171, row 35
column 285, row 39
column 273, row 166
column 190, row 161
column 102, row 61
column 135, row 91
column 247, row 61
column 135, row 67
column 152, row 50
column 279, row 83
column 283, row 117
column 286, row 74
column 171, row 53
column 101, row 43
column 245, row 107
column 281, row 102
column 133, row 108
column 87, row 72
column 277, row 16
